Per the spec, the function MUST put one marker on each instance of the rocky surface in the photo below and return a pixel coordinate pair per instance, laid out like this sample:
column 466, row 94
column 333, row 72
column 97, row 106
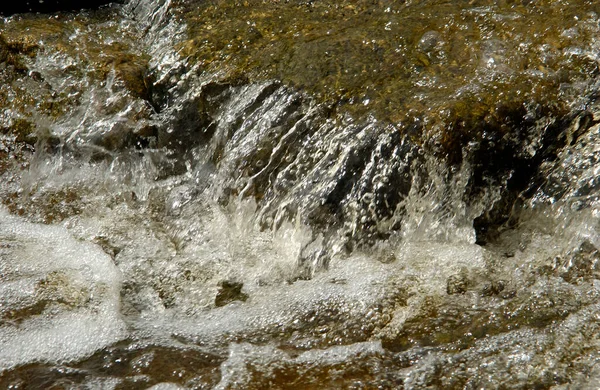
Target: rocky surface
column 367, row 194
column 501, row 79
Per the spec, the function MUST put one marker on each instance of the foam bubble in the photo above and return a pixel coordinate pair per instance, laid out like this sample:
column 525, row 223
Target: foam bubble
column 61, row 295
column 247, row 359
column 165, row 386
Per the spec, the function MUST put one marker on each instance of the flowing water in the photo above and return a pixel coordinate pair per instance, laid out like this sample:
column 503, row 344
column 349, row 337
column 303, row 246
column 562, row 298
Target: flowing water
column 167, row 223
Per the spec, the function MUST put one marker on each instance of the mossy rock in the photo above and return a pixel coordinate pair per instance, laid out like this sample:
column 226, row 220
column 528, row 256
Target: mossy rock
column 395, row 58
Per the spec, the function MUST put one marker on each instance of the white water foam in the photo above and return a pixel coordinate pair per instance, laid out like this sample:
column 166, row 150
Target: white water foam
column 74, row 284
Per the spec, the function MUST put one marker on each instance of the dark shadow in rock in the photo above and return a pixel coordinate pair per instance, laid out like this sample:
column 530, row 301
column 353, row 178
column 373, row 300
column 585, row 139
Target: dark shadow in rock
column 229, row 292
column 505, row 154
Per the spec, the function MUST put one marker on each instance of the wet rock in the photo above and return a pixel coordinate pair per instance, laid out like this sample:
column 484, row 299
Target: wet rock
column 457, row 284
column 22, row 129
column 230, row 291
column 386, row 257
column 492, row 125
column 46, row 207
column 458, row 323
column 386, row 46
column 506, row 122
column 499, row 288
column 493, row 288
column 107, row 246
column 136, row 77
column 508, row 293
column 429, row 41
column 493, row 121
column 138, row 366
column 559, row 162
column 584, row 264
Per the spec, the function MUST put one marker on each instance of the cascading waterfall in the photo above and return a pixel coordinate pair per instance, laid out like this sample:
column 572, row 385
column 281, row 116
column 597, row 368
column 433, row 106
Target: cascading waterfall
column 167, row 225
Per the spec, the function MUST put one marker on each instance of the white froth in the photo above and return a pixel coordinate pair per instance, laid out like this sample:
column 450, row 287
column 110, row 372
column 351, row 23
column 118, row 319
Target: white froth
column 356, row 284
column 165, row 386
column 74, row 282
column 433, row 262
column 69, row 337
column 235, row 370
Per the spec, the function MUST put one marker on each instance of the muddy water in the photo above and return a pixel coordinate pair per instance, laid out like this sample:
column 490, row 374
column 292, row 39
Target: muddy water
column 300, row 195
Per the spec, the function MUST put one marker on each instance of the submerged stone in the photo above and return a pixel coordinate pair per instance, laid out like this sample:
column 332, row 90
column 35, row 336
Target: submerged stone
column 493, row 288
column 457, row 284
column 229, row 292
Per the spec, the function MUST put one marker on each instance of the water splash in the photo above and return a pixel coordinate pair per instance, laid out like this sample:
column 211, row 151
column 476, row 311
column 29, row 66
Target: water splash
column 247, row 226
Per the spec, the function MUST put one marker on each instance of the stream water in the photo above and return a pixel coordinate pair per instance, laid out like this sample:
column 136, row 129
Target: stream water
column 163, row 228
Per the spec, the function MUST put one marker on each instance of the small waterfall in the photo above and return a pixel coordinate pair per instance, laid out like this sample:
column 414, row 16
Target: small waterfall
column 165, row 224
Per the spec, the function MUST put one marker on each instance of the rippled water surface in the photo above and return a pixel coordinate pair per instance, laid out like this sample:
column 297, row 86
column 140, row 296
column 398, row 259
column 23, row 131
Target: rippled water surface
column 197, row 194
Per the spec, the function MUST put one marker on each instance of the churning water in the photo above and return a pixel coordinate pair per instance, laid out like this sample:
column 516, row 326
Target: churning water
column 239, row 235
